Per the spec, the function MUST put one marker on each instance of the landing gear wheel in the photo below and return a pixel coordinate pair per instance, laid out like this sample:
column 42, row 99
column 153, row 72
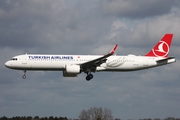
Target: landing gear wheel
column 24, row 76
column 89, row 77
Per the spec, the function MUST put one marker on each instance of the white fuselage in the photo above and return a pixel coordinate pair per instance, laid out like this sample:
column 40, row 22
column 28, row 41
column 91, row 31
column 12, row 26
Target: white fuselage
column 72, row 65
column 58, row 62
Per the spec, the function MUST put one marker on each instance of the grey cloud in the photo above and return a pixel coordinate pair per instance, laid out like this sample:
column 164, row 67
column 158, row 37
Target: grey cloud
column 137, row 9
column 26, row 23
column 38, row 24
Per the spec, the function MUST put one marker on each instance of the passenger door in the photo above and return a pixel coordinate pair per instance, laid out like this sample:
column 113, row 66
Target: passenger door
column 24, row 59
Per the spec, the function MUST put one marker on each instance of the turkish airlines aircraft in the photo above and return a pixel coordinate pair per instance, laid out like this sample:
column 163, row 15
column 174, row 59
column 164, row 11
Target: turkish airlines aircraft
column 72, row 65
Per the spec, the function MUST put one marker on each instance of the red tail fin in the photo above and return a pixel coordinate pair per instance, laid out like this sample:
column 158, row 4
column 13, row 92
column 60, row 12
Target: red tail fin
column 161, row 49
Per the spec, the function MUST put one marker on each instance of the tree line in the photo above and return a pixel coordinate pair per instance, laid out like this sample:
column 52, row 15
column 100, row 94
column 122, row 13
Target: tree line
column 65, row 118
column 33, row 118
column 93, row 113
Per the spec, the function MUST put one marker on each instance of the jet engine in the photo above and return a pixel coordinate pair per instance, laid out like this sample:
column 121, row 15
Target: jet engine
column 71, row 70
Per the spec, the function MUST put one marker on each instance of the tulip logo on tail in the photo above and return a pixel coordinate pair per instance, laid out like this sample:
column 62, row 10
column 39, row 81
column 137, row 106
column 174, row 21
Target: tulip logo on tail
column 161, row 49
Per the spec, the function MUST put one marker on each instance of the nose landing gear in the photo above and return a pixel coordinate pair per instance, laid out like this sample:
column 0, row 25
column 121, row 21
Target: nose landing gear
column 24, row 76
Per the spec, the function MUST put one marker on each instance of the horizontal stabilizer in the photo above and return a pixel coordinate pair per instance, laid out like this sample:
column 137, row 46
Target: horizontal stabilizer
column 166, row 61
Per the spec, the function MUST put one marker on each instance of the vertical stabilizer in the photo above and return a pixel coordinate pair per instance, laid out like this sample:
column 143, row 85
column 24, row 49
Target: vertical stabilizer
column 161, row 49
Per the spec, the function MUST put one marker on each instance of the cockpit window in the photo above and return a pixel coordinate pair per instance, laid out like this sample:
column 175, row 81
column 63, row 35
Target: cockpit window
column 13, row 58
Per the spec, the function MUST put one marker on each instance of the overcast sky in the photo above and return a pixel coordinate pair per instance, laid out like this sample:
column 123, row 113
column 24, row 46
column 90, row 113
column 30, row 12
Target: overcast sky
column 89, row 27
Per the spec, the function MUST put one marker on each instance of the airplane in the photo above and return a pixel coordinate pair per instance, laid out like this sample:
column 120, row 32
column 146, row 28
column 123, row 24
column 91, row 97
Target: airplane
column 72, row 65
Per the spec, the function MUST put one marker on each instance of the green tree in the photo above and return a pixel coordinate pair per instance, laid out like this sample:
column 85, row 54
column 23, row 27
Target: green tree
column 29, row 118
column 51, row 118
column 36, row 118
column 3, row 118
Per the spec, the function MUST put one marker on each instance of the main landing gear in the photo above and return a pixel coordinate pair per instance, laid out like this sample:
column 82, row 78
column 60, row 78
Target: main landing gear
column 89, row 76
column 24, row 76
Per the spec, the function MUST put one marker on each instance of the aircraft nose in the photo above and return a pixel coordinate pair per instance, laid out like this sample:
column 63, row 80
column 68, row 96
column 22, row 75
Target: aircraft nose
column 7, row 64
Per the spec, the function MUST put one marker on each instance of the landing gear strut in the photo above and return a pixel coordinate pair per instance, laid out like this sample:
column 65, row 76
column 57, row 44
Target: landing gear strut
column 89, row 77
column 24, row 76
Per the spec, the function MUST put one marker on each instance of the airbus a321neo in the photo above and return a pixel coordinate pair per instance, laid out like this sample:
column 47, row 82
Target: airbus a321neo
column 72, row 65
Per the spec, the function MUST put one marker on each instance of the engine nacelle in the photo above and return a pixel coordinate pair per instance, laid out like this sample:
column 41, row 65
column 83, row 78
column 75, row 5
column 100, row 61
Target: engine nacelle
column 75, row 69
column 71, row 70
column 65, row 74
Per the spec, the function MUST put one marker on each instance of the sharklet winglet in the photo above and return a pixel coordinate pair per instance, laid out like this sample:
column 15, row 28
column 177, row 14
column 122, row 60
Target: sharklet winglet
column 114, row 49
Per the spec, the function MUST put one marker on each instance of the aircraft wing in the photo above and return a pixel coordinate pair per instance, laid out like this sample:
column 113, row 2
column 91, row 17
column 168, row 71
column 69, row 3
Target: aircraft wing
column 91, row 65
